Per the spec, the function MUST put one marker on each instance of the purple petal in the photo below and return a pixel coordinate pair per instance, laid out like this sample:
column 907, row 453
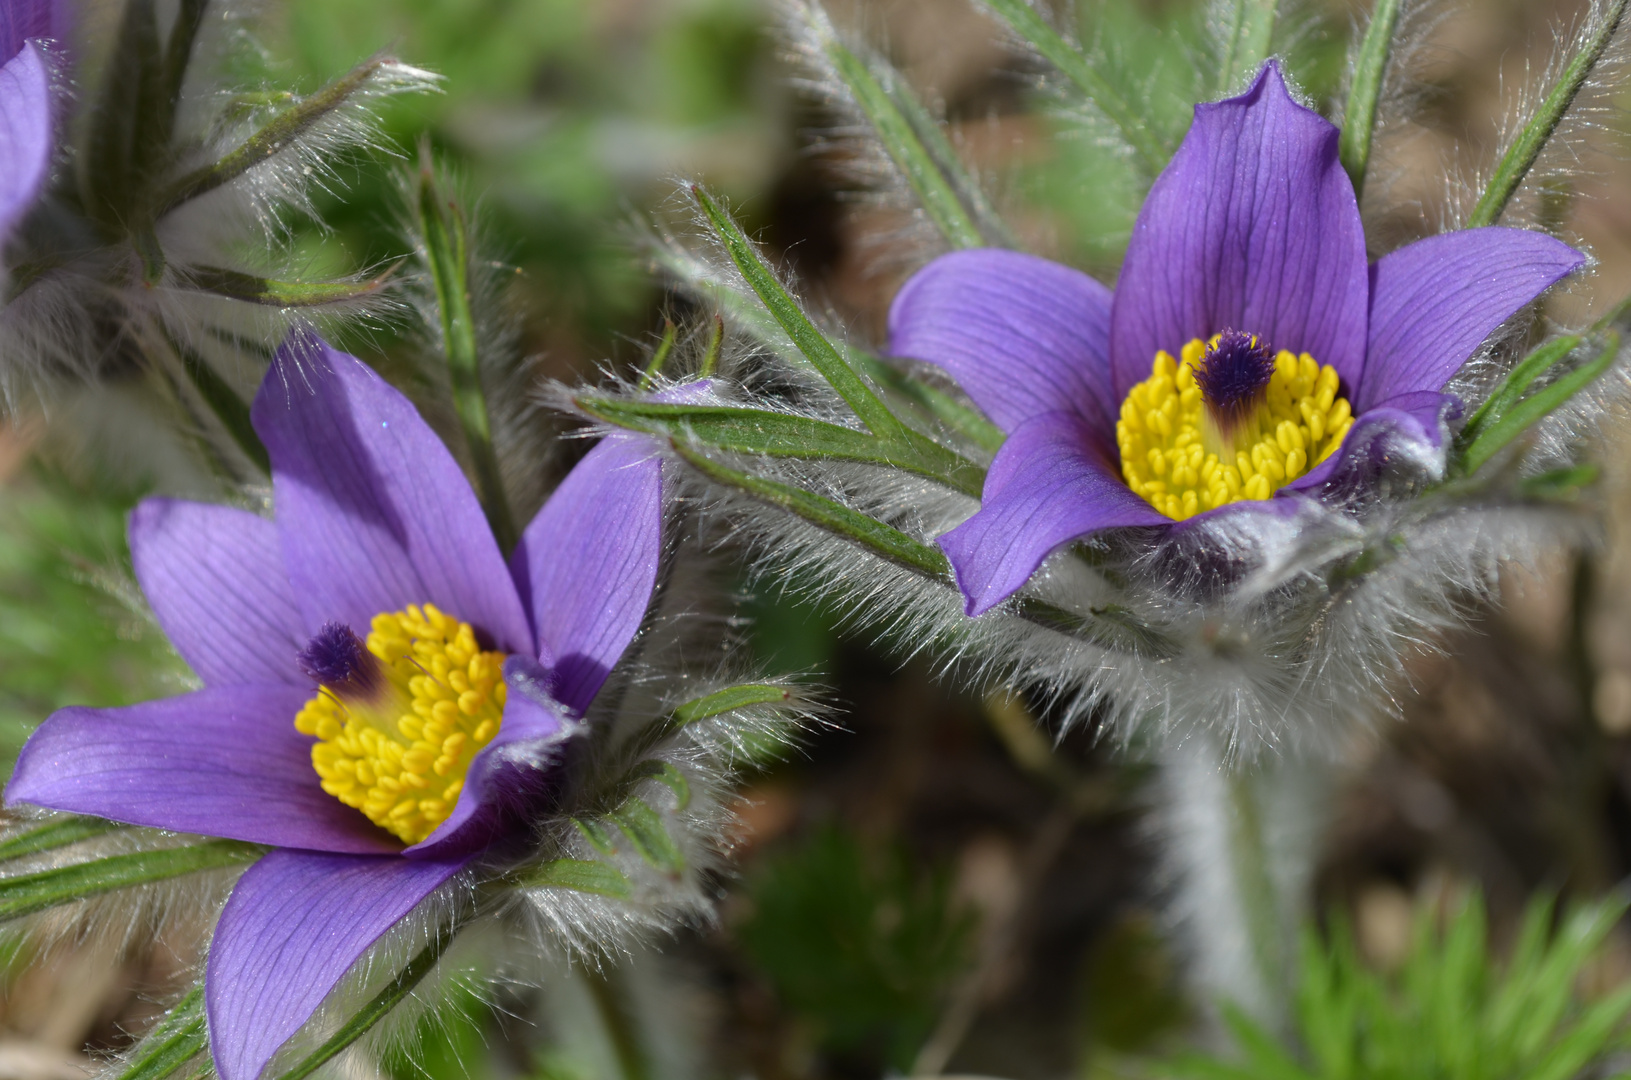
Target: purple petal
column 587, row 564
column 215, row 578
column 1252, row 227
column 25, row 133
column 510, row 771
column 1021, row 335
column 295, row 924
column 24, row 19
column 1434, row 302
column 1048, row 485
column 1409, row 428
column 224, row 761
column 373, row 512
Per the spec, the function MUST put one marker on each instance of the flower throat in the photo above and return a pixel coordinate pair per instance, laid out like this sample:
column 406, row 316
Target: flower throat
column 399, row 717
column 1231, row 420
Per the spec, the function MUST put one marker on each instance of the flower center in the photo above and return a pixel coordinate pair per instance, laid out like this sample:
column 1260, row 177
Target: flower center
column 399, row 717
column 1232, row 421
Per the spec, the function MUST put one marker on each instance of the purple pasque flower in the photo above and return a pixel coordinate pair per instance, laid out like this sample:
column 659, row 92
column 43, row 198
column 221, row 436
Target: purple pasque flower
column 1248, row 354
column 26, row 110
column 377, row 614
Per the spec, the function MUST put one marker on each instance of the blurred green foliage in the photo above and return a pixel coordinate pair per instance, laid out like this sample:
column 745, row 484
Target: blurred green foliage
column 860, row 944
column 1451, row 1011
column 73, row 628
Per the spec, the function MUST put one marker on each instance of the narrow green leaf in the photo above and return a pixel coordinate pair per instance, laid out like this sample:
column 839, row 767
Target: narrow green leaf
column 117, row 160
column 1025, row 21
column 1525, row 413
column 870, row 533
column 580, row 875
column 1511, row 388
column 668, row 776
column 648, row 377
column 1249, row 26
column 716, row 342
column 54, row 834
column 252, row 289
column 730, row 699
column 811, row 342
column 1562, row 484
column 644, row 828
column 758, row 431
column 447, row 256
column 934, row 192
column 28, row 893
column 966, row 421
column 599, row 836
column 278, row 135
column 178, row 1037
column 1370, row 69
column 223, row 401
column 1525, row 149
column 177, row 56
column 376, row 1009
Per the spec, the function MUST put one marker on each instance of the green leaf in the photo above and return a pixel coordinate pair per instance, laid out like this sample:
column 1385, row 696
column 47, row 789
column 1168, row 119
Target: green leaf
column 759, row 431
column 873, row 88
column 1525, row 149
column 251, row 289
column 659, row 357
column 868, row 532
column 1511, row 388
column 599, row 836
column 28, row 893
column 54, row 834
column 178, row 1037
column 1523, row 414
column 966, row 421
column 224, row 403
column 1249, row 30
column 1370, row 68
column 447, row 256
column 668, row 776
column 278, row 135
column 821, row 353
column 376, row 1009
column 580, row 875
column 729, row 700
column 1560, row 484
column 1024, row 20
column 644, row 828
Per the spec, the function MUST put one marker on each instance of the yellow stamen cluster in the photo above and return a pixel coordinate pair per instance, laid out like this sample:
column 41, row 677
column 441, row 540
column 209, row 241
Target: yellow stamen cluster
column 401, row 755
column 1177, row 458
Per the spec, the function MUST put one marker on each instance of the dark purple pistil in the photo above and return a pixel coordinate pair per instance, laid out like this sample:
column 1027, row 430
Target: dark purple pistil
column 1233, row 375
column 338, row 659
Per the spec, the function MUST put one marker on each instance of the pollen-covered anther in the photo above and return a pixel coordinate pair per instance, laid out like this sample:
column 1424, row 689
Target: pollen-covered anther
column 400, row 752
column 1211, row 430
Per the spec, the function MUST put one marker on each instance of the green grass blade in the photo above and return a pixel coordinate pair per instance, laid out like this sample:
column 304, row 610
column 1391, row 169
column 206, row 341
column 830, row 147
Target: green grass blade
column 1359, row 117
column 278, row 135
column 874, row 92
column 178, row 1037
column 1522, row 415
column 251, row 289
column 1519, row 379
column 834, row 517
column 373, row 1012
column 580, row 875
column 821, row 353
column 1525, row 149
column 758, row 431
column 447, row 257
column 54, row 834
column 1249, row 36
column 1135, row 129
column 729, row 700
column 28, row 893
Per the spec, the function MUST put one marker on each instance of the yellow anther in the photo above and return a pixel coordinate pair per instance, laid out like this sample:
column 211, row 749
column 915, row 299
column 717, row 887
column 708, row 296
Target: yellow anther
column 1175, row 458
column 401, row 755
